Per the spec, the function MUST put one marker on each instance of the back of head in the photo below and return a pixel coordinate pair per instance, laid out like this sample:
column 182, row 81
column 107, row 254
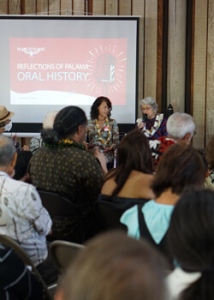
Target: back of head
column 49, row 119
column 7, row 150
column 65, row 124
column 181, row 168
column 179, row 124
column 191, row 240
column 133, row 153
column 115, row 267
column 210, row 153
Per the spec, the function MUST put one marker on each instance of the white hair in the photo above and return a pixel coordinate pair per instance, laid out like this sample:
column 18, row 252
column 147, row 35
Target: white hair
column 151, row 102
column 179, row 124
column 49, row 119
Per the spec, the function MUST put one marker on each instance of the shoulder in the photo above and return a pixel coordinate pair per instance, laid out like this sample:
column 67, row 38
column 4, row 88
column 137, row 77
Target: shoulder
column 113, row 121
column 91, row 122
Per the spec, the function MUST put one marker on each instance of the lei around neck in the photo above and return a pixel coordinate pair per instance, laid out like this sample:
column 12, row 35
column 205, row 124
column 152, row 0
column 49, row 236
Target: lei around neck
column 99, row 131
column 65, row 143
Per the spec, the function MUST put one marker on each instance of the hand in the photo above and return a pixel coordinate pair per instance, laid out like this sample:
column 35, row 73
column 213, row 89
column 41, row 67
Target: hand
column 102, row 159
column 141, row 125
column 25, row 148
column 108, row 149
column 86, row 145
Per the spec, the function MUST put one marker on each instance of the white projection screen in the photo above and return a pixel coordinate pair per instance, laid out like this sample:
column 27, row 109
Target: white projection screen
column 48, row 63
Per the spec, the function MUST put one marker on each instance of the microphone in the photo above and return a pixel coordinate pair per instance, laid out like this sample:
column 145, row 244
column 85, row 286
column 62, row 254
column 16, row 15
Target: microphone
column 144, row 117
column 105, row 68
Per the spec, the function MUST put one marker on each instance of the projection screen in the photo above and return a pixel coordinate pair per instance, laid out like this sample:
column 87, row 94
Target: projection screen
column 48, row 63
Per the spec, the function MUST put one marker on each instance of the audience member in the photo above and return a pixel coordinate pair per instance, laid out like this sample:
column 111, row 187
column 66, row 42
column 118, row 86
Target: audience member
column 153, row 125
column 21, row 173
column 102, row 131
column 209, row 183
column 36, row 142
column 129, row 183
column 23, row 217
column 16, row 281
column 63, row 166
column 5, row 119
column 180, row 128
column 180, row 168
column 113, row 266
column 191, row 241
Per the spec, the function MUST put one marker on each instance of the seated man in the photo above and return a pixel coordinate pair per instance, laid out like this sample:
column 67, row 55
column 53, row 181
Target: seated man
column 22, row 216
column 5, row 119
column 64, row 167
column 180, row 128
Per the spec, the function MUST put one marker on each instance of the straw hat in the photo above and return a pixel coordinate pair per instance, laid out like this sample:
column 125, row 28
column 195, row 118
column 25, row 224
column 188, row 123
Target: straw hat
column 5, row 114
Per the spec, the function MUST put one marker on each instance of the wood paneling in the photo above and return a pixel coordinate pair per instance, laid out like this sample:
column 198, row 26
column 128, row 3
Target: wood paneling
column 210, row 74
column 176, row 54
column 15, row 7
column 111, row 7
column 3, row 7
column 54, row 7
column 66, row 7
column 138, row 9
column 78, row 7
column 125, row 7
column 98, row 7
column 42, row 7
column 30, row 7
column 150, row 63
column 199, row 74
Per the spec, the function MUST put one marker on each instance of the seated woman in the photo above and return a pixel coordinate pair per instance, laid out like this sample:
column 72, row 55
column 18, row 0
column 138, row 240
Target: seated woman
column 180, row 168
column 102, row 131
column 191, row 241
column 154, row 125
column 129, row 183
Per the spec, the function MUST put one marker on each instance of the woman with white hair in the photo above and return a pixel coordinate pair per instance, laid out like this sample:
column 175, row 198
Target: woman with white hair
column 153, row 124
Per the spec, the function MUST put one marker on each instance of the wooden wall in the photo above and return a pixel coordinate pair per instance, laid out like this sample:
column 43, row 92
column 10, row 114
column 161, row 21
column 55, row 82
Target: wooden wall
column 154, row 69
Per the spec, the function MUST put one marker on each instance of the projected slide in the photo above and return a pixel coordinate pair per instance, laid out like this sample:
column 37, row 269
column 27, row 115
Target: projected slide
column 61, row 71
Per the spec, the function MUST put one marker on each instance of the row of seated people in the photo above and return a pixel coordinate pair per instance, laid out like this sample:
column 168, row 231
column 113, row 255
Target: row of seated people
column 63, row 166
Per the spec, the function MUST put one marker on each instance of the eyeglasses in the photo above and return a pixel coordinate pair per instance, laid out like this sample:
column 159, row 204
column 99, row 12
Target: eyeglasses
column 146, row 108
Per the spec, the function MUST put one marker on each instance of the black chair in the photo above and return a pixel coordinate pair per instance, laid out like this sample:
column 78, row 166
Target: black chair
column 109, row 215
column 60, row 206
column 63, row 253
column 8, row 242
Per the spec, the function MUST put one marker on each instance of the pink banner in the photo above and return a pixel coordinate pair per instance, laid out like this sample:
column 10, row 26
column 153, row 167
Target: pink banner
column 91, row 67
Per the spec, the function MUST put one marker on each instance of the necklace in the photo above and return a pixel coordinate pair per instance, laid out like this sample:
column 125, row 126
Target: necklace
column 155, row 127
column 99, row 133
column 64, row 143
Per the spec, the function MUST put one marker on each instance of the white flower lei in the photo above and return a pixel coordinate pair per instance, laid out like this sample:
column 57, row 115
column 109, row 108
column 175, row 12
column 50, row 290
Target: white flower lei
column 155, row 127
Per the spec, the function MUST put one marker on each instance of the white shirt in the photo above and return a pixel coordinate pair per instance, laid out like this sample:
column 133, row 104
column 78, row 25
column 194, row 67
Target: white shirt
column 178, row 281
column 23, row 218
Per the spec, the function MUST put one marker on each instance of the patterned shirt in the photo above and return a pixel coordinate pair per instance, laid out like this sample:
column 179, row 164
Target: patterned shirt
column 23, row 218
column 73, row 173
column 93, row 136
column 161, row 130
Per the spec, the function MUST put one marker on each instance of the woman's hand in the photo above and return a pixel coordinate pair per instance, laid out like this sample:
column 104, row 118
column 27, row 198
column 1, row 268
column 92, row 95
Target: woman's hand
column 141, row 125
column 108, row 149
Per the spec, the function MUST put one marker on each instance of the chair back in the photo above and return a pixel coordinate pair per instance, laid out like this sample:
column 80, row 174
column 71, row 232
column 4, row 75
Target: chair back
column 63, row 253
column 10, row 243
column 58, row 205
column 109, row 215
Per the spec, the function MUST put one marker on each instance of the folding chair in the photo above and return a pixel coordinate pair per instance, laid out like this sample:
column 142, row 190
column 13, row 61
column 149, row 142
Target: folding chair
column 60, row 206
column 63, row 253
column 8, row 242
column 109, row 215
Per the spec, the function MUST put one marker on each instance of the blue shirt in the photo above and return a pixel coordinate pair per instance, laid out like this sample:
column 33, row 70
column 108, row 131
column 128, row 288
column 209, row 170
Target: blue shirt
column 157, row 217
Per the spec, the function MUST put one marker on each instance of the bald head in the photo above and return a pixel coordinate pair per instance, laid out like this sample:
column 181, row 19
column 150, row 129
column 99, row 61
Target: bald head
column 7, row 150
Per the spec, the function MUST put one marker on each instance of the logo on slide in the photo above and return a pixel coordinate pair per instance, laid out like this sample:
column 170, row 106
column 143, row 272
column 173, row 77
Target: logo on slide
column 31, row 51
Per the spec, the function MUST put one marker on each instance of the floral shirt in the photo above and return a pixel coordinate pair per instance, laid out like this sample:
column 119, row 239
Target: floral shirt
column 23, row 218
column 94, row 139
